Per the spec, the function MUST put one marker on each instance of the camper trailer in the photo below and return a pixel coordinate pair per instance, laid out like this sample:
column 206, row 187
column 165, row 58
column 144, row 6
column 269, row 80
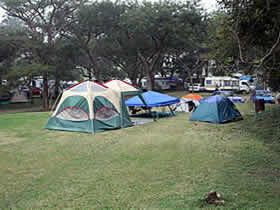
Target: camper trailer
column 221, row 83
column 160, row 83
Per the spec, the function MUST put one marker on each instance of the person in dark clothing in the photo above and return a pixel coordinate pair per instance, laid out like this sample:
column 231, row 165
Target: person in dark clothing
column 192, row 106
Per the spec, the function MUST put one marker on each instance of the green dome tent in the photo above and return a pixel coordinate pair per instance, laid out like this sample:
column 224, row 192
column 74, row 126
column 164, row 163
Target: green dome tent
column 89, row 107
column 216, row 109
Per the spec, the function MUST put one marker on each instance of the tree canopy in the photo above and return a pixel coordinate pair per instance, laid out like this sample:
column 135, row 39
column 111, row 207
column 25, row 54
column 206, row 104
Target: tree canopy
column 255, row 24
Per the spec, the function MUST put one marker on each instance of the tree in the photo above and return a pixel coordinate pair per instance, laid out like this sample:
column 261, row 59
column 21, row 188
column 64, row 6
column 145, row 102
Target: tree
column 256, row 26
column 46, row 21
column 123, row 55
column 155, row 29
column 13, row 39
column 65, row 64
column 94, row 22
column 26, row 72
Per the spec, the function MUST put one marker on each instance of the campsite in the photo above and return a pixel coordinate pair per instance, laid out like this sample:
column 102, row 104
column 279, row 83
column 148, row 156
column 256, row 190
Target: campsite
column 154, row 104
column 170, row 163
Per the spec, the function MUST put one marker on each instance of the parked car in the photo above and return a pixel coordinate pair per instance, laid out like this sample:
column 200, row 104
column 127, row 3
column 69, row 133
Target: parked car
column 35, row 91
column 230, row 95
column 263, row 94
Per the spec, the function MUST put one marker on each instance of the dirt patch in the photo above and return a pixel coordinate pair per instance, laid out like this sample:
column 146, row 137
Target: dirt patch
column 31, row 109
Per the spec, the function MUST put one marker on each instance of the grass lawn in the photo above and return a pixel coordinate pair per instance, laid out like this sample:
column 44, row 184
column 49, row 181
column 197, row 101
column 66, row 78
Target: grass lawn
column 170, row 163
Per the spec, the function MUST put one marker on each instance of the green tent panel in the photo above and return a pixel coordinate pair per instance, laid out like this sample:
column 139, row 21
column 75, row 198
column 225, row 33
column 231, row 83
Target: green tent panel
column 106, row 115
column 67, row 125
column 76, row 106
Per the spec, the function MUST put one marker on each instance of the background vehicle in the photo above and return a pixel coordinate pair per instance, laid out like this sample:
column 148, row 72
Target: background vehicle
column 229, row 84
column 3, row 82
column 263, row 94
column 221, row 83
column 35, row 91
column 197, row 87
column 160, row 83
column 246, row 86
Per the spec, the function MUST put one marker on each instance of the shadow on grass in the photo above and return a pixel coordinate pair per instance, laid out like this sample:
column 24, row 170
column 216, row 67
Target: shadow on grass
column 264, row 126
column 248, row 171
column 37, row 103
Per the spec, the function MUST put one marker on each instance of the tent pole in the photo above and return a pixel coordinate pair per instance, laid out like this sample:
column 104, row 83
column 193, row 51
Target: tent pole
column 92, row 122
column 92, row 127
column 121, row 113
column 171, row 110
column 157, row 115
column 53, row 106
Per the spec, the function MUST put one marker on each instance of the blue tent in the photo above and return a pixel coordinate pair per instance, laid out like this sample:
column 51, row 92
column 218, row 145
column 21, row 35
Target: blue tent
column 152, row 99
column 229, row 95
column 216, row 109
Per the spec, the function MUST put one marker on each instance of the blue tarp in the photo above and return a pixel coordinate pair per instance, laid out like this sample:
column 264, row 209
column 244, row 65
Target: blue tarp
column 263, row 95
column 246, row 78
column 152, row 99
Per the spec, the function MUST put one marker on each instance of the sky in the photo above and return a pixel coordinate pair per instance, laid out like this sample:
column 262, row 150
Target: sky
column 209, row 5
column 1, row 14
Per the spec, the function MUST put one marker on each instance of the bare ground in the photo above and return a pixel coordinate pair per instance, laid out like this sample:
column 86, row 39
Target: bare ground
column 31, row 109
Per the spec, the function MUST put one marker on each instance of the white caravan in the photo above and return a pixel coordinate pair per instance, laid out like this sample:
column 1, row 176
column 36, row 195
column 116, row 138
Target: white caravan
column 221, row 83
column 161, row 83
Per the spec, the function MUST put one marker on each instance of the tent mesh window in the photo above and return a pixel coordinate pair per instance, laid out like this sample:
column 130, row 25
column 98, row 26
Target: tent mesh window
column 74, row 108
column 105, row 113
column 73, row 114
column 80, row 88
column 96, row 87
column 104, row 109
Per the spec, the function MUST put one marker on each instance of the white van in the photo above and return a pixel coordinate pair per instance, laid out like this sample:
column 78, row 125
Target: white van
column 4, row 82
column 197, row 87
column 246, row 86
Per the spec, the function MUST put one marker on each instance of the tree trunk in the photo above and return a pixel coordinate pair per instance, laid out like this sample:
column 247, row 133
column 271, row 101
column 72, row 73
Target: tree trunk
column 133, row 81
column 45, row 92
column 191, row 80
column 148, row 66
column 30, row 94
column 56, row 88
column 89, row 75
column 149, row 75
column 97, row 76
column 150, row 79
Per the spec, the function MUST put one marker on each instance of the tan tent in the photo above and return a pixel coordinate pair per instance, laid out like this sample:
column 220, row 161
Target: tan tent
column 89, row 107
column 120, row 86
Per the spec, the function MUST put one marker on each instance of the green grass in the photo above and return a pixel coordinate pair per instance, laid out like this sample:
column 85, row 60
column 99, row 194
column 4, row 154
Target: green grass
column 171, row 163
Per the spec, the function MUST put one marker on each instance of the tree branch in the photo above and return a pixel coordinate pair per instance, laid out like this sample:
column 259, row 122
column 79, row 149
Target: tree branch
column 271, row 49
column 239, row 45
